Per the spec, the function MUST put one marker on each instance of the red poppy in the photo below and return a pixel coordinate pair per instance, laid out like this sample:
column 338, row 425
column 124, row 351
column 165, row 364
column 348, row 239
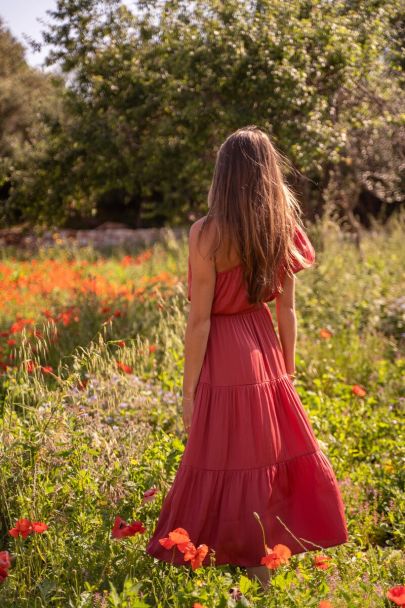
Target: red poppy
column 23, row 527
column 47, row 369
column 359, row 390
column 39, row 527
column 11, row 342
column 121, row 529
column 322, row 562
column 5, row 564
column 121, row 343
column 325, row 333
column 325, row 604
column 124, row 367
column 149, row 494
column 196, row 555
column 5, row 561
column 126, row 260
column 198, row 605
column 178, row 537
column 152, row 348
column 280, row 554
column 20, row 324
column 65, row 317
column 30, row 366
column 397, row 595
column 117, row 313
column 3, row 574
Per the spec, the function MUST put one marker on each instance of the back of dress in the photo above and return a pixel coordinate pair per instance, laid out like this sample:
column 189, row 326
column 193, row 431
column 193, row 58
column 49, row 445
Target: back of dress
column 231, row 295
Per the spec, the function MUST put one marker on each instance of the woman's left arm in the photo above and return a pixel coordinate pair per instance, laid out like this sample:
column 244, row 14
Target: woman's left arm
column 199, row 319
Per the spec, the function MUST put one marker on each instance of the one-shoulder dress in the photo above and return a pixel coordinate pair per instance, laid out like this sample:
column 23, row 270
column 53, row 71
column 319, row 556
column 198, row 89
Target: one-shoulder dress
column 251, row 447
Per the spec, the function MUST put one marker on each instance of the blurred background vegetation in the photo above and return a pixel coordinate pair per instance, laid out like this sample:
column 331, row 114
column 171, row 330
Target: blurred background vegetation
column 125, row 123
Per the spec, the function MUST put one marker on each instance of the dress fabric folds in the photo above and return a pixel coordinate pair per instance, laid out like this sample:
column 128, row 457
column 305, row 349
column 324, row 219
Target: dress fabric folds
column 251, row 447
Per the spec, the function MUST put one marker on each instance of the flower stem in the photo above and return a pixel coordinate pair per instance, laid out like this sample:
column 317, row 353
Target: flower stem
column 257, row 516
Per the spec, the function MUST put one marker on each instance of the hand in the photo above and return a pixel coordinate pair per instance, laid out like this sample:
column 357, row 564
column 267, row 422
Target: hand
column 188, row 407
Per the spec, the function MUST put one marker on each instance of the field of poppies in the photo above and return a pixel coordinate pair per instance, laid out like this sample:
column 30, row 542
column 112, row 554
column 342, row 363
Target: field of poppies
column 91, row 360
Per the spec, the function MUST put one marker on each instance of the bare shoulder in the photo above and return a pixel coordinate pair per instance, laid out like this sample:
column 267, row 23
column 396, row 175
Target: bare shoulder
column 197, row 225
column 207, row 237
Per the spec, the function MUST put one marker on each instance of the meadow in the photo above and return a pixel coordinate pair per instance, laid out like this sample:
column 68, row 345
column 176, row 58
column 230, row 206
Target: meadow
column 91, row 360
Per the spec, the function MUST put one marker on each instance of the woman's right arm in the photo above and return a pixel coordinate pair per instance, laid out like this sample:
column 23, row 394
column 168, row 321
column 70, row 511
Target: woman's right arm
column 287, row 322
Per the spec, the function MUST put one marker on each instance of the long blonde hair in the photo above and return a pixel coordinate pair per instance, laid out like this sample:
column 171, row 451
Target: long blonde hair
column 254, row 209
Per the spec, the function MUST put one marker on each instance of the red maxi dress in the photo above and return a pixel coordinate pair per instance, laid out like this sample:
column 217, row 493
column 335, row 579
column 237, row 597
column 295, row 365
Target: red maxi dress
column 251, row 446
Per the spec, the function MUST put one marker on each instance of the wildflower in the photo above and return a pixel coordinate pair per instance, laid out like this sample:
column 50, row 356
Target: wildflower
column 325, row 604
column 195, row 555
column 359, row 390
column 126, row 260
column 20, row 324
column 121, row 529
column 39, row 527
column 5, row 564
column 280, row 554
column 152, row 348
column 124, row 367
column 149, row 494
column 47, row 369
column 65, row 317
column 198, row 605
column 121, row 343
column 397, row 595
column 24, row 527
column 322, row 562
column 325, row 333
column 235, row 593
column 30, row 366
column 11, row 342
column 178, row 537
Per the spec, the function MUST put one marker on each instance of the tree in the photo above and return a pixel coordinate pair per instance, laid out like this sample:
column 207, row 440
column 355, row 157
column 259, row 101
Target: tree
column 25, row 95
column 152, row 93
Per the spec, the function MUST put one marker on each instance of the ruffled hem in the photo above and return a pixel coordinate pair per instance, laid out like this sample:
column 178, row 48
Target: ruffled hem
column 216, row 508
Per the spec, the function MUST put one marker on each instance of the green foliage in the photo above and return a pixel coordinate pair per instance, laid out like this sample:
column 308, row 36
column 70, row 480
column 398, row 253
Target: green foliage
column 151, row 93
column 28, row 101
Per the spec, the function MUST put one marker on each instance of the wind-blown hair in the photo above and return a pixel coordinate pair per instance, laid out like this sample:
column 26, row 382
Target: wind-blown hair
column 254, row 210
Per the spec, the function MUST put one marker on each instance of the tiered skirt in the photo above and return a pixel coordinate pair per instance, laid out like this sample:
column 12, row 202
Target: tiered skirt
column 251, row 449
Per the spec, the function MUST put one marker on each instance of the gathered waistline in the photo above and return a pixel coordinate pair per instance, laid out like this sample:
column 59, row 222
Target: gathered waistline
column 261, row 306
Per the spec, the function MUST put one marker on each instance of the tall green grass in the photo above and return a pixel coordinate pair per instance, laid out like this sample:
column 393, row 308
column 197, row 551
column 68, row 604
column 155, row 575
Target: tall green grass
column 81, row 445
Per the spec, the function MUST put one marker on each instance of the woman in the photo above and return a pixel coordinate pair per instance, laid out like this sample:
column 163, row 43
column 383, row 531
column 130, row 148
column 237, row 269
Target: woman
column 250, row 447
